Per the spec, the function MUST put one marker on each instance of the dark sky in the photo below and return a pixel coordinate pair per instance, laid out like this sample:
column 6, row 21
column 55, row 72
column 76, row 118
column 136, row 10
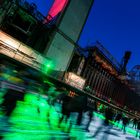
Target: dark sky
column 115, row 23
column 42, row 5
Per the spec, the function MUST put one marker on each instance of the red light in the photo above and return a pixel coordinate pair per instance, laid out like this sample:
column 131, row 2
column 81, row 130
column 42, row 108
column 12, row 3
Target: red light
column 56, row 8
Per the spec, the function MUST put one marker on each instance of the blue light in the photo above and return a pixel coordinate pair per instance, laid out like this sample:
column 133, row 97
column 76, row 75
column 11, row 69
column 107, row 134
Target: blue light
column 43, row 6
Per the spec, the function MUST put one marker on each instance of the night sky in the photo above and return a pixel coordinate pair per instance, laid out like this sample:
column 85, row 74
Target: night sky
column 114, row 23
column 42, row 5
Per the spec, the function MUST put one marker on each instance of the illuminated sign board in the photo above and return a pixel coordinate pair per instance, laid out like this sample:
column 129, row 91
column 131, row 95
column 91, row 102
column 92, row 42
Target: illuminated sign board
column 74, row 80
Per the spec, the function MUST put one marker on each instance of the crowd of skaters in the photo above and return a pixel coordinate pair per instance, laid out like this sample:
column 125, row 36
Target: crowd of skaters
column 8, row 103
column 117, row 117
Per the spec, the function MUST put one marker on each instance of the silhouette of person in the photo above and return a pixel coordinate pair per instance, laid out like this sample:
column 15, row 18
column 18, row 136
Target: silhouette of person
column 138, row 129
column 108, row 115
column 125, row 122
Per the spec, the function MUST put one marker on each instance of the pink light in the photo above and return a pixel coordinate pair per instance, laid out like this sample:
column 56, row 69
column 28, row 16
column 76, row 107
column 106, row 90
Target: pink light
column 56, row 8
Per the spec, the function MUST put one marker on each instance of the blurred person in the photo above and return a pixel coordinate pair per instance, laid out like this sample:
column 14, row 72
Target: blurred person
column 90, row 114
column 52, row 96
column 8, row 104
column 108, row 115
column 138, row 129
column 106, row 127
column 125, row 122
column 12, row 87
column 118, row 118
column 70, row 104
column 65, row 98
column 134, row 123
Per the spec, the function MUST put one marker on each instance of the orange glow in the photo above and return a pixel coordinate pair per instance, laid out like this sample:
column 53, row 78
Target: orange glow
column 8, row 41
column 21, row 52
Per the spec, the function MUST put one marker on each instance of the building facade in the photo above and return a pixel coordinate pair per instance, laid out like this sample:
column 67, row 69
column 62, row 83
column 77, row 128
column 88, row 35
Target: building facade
column 62, row 44
column 18, row 22
column 55, row 35
column 103, row 80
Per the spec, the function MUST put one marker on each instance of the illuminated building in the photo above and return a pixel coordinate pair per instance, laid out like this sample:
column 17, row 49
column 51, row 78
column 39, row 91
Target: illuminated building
column 102, row 74
column 18, row 51
column 17, row 25
column 55, row 35
column 24, row 22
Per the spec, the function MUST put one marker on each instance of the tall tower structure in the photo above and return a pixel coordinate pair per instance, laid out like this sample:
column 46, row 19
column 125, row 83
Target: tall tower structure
column 125, row 60
column 61, row 46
